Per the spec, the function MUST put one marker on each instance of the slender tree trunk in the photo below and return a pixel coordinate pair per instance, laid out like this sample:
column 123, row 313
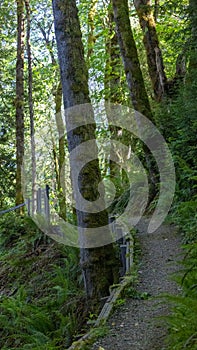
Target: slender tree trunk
column 130, row 58
column 134, row 77
column 31, row 109
column 61, row 177
column 156, row 10
column 114, row 95
column 161, row 86
column 19, row 101
column 113, row 63
column 151, row 43
column 96, row 263
column 59, row 158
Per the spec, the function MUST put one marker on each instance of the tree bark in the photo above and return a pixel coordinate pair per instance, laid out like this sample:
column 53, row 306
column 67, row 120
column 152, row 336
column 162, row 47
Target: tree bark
column 59, row 157
column 31, row 108
column 134, row 77
column 153, row 51
column 131, row 63
column 97, row 263
column 19, row 102
column 113, row 63
column 114, row 95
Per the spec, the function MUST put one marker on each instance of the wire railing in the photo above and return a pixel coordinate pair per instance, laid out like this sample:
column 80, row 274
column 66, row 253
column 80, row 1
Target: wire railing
column 42, row 205
column 12, row 209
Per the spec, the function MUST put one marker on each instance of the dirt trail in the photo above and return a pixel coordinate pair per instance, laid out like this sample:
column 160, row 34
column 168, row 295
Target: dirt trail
column 135, row 325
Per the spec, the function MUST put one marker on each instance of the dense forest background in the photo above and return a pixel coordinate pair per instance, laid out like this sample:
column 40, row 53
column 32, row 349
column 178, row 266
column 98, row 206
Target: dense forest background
column 141, row 54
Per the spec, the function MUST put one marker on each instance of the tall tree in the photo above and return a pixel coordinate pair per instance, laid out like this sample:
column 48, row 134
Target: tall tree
column 113, row 64
column 97, row 263
column 151, row 43
column 130, row 59
column 162, row 86
column 59, row 159
column 114, row 93
column 60, row 173
column 19, row 100
column 134, row 77
column 31, row 108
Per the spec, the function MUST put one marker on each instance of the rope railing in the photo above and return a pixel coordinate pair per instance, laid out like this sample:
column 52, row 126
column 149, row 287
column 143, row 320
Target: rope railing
column 13, row 208
column 42, row 203
column 42, row 206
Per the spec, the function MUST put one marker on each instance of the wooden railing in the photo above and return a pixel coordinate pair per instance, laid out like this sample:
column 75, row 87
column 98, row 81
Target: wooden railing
column 41, row 205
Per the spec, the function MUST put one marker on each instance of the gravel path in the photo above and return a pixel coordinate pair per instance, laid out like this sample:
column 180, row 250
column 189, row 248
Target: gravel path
column 136, row 324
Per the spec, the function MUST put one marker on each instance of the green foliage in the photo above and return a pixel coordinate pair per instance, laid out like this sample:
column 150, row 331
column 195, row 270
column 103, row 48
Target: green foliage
column 183, row 320
column 185, row 216
column 173, row 32
column 7, row 97
column 178, row 122
column 131, row 292
column 183, row 324
column 119, row 302
column 42, row 306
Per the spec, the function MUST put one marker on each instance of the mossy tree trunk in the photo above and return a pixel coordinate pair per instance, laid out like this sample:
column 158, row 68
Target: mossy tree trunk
column 113, row 67
column 151, row 44
column 59, row 156
column 114, row 93
column 61, row 176
column 162, row 86
column 19, row 102
column 135, row 79
column 130, row 58
column 31, row 108
column 97, row 263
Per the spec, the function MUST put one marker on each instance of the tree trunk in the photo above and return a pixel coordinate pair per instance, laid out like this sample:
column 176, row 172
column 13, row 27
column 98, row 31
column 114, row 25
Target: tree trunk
column 193, row 21
column 96, row 263
column 59, row 158
column 112, row 92
column 31, row 109
column 19, row 102
column 151, row 43
column 156, row 10
column 113, row 63
column 134, row 77
column 130, row 58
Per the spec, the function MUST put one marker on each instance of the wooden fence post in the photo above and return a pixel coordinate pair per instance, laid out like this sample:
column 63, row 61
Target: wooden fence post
column 39, row 201
column 29, row 206
column 46, row 202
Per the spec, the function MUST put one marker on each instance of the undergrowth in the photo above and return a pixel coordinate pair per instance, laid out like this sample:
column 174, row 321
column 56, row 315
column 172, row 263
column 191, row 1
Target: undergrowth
column 179, row 121
column 42, row 303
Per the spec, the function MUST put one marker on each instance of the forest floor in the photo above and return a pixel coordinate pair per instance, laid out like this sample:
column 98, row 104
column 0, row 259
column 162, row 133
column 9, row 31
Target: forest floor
column 138, row 324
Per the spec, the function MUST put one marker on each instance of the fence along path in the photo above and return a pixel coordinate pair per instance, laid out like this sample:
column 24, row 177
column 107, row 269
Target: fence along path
column 13, row 208
column 42, row 196
column 42, row 205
